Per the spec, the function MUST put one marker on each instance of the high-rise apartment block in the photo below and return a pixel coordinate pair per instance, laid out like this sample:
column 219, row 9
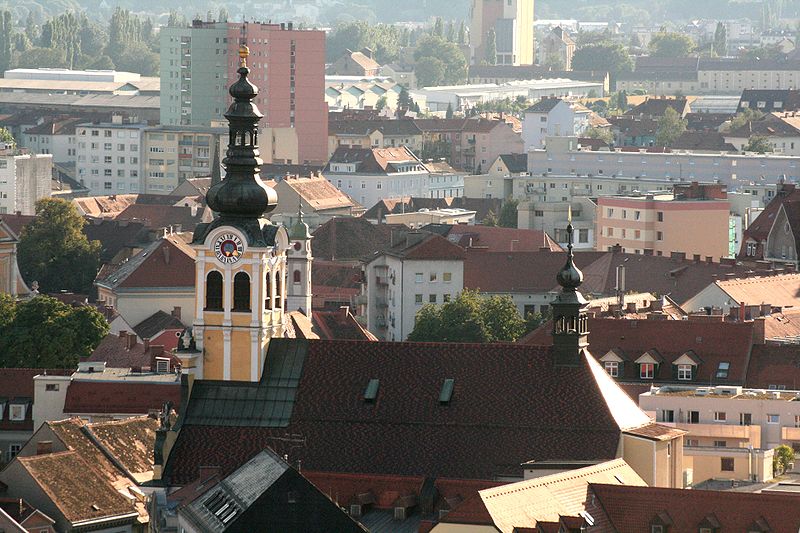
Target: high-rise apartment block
column 109, row 156
column 287, row 64
column 512, row 22
column 24, row 179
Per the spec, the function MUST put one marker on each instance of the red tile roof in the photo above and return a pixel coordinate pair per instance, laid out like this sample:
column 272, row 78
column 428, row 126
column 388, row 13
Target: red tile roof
column 497, row 239
column 631, row 509
column 155, row 216
column 712, row 342
column 772, row 365
column 340, row 325
column 510, row 404
column 759, row 230
column 319, row 193
column 167, row 263
column 94, row 397
column 349, row 239
column 508, row 272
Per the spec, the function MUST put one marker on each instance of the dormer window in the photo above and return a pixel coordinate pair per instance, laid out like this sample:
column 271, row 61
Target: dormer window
column 647, row 370
column 612, row 368
column 16, row 412
column 685, row 372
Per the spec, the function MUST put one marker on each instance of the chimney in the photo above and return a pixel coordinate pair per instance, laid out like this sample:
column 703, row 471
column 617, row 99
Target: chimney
column 43, row 447
column 146, row 344
column 742, row 312
column 176, row 312
column 760, row 330
column 131, row 341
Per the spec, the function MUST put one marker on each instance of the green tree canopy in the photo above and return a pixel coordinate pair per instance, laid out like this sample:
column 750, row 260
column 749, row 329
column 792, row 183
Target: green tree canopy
column 469, row 318
column 137, row 57
column 455, row 64
column 6, row 137
column 670, row 127
column 491, row 47
column 668, row 44
column 430, row 71
column 384, row 39
column 604, row 134
column 43, row 332
column 508, row 214
column 54, row 251
column 6, row 40
column 720, row 44
column 759, row 144
column 743, row 118
column 782, row 456
column 603, row 56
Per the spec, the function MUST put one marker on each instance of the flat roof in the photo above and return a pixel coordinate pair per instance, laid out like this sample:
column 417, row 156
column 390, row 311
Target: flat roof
column 127, row 375
column 734, row 392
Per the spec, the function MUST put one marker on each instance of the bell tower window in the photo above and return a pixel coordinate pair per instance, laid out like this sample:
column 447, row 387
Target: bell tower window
column 241, row 292
column 279, row 290
column 296, row 277
column 268, row 291
column 214, row 291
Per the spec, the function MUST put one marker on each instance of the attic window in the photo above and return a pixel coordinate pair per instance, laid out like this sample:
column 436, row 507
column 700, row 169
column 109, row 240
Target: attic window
column 222, row 507
column 371, row 392
column 447, row 391
column 722, row 370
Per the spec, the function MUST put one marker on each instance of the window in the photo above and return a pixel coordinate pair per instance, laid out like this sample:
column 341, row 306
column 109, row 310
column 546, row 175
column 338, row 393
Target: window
column 691, row 442
column 447, row 277
column 660, row 216
column 659, row 236
column 668, row 415
column 609, row 212
column 720, row 416
column 722, row 370
column 720, row 444
column 538, row 213
column 612, row 367
column 51, row 387
column 727, row 464
column 418, row 299
column 693, row 417
column 685, row 372
column 656, row 529
column 13, row 450
column 745, row 419
column 433, row 277
column 241, row 292
column 214, row 291
column 773, row 419
column 432, row 298
column 647, row 370
column 583, row 236
column 16, row 412
column 445, row 298
column 418, row 277
column 797, row 421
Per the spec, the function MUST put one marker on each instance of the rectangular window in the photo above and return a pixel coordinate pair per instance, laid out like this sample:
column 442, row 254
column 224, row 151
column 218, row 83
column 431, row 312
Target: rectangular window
column 773, row 419
column 727, row 464
column 13, row 450
column 433, row 277
column 720, row 444
column 432, row 298
column 685, row 372
column 659, row 236
column 447, row 277
column 797, row 421
column 660, row 216
column 691, row 442
column 51, row 387
column 583, row 236
column 16, row 412
column 609, row 212
column 720, row 416
column 693, row 417
column 647, row 370
column 612, row 367
column 418, row 299
column 445, row 298
column 418, row 278
column 745, row 419
column 668, row 415
column 722, row 370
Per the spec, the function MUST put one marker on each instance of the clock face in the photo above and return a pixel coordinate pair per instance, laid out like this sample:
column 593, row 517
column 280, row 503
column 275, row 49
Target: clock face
column 228, row 248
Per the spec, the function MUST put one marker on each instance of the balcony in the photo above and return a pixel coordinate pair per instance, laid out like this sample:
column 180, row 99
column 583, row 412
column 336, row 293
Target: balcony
column 790, row 434
column 752, row 434
column 185, row 143
column 184, row 156
column 382, row 303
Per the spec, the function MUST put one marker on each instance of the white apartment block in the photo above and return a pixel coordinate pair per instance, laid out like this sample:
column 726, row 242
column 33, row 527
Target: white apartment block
column 564, row 156
column 553, row 117
column 62, row 146
column 24, row 179
column 109, row 157
column 173, row 154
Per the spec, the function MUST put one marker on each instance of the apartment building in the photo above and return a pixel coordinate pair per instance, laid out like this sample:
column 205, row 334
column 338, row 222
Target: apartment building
column 553, row 117
column 565, row 156
column 374, row 133
column 24, row 179
column 694, row 220
column 55, row 136
column 174, row 154
column 421, row 269
column 109, row 156
column 512, row 24
column 287, row 64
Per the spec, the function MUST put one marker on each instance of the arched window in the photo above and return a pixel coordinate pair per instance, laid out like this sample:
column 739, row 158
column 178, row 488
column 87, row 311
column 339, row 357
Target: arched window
column 214, row 291
column 268, row 290
column 296, row 277
column 241, row 292
column 279, row 289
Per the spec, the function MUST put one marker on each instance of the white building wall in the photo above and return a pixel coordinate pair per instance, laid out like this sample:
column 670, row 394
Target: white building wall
column 368, row 189
column 417, row 282
column 109, row 158
column 49, row 395
column 24, row 179
column 135, row 307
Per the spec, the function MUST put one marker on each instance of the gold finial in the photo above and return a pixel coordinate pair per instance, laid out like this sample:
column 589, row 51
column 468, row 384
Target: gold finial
column 569, row 214
column 244, row 51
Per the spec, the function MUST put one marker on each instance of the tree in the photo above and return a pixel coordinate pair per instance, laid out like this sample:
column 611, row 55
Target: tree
column 6, row 137
column 42, row 57
column 403, row 99
column 491, row 218
column 622, row 100
column 438, row 27
column 742, row 118
column 223, row 15
column 720, row 45
column 508, row 214
column 448, row 53
column 451, row 32
column 553, row 61
column 491, row 47
column 636, row 42
column 43, row 332
column 462, row 33
column 54, row 251
column 137, row 57
column 611, row 57
column 782, row 456
column 430, row 71
column 669, row 44
column 603, row 134
column 759, row 144
column 469, row 318
column 449, row 112
column 380, row 104
column 670, row 127
column 6, row 40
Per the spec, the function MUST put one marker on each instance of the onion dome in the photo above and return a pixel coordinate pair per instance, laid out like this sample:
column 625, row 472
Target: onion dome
column 242, row 194
column 570, row 277
column 299, row 231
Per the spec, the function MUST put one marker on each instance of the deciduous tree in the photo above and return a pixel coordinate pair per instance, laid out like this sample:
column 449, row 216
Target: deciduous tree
column 669, row 44
column 670, row 127
column 603, row 56
column 759, row 144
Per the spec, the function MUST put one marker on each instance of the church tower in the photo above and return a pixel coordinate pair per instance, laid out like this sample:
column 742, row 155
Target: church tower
column 570, row 321
column 241, row 256
column 299, row 267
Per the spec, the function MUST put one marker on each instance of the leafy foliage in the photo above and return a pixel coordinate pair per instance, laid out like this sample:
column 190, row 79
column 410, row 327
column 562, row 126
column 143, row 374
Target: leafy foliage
column 508, row 214
column 54, row 251
column 491, row 47
column 383, row 39
column 45, row 333
column 613, row 57
column 469, row 318
column 742, row 118
column 6, row 137
column 668, row 44
column 720, row 44
column 604, row 134
column 449, row 54
column 759, row 144
column 783, row 455
column 430, row 71
column 670, row 127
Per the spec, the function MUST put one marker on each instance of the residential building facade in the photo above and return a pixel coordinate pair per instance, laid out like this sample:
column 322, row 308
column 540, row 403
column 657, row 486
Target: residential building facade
column 24, row 179
column 109, row 157
column 173, row 154
column 553, row 117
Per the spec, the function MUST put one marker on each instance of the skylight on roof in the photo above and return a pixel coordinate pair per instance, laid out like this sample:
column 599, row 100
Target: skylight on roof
column 371, row 392
column 447, row 391
column 722, row 370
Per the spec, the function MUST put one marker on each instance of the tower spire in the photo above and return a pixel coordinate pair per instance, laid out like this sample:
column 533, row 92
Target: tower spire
column 216, row 177
column 570, row 321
